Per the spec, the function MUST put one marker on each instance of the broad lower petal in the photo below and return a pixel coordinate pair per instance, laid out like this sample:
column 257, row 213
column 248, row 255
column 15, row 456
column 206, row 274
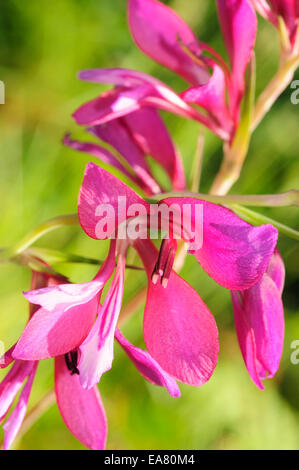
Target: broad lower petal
column 82, row 410
column 180, row 333
column 157, row 30
column 147, row 366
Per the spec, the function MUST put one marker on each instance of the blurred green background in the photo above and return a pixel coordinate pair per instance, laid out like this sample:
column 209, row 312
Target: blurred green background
column 42, row 47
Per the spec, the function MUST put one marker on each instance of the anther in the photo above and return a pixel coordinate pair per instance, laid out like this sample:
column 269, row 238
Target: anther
column 163, row 266
column 71, row 360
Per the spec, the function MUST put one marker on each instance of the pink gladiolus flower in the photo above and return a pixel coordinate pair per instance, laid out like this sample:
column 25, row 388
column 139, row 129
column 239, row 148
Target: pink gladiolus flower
column 82, row 410
column 259, row 322
column 287, row 10
column 135, row 136
column 179, row 330
column 161, row 34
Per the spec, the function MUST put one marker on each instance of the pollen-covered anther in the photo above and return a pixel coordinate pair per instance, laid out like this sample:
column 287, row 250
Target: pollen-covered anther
column 164, row 264
column 71, row 360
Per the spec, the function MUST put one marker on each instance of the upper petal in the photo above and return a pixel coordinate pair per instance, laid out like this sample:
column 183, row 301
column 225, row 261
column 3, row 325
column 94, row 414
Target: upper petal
column 179, row 330
column 157, row 30
column 147, row 366
column 100, row 189
column 239, row 27
column 82, row 410
column 234, row 253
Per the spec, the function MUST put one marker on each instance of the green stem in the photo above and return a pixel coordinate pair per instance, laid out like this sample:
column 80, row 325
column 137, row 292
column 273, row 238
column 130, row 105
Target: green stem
column 28, row 240
column 289, row 198
column 56, row 257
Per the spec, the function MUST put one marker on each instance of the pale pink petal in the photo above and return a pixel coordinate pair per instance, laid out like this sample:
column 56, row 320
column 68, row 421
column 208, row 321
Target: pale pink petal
column 289, row 11
column 239, row 27
column 151, row 134
column 49, row 334
column 147, row 366
column 82, row 410
column 100, row 188
column 16, row 418
column 157, row 30
column 117, row 134
column 96, row 353
column 64, row 296
column 234, row 253
column 180, row 332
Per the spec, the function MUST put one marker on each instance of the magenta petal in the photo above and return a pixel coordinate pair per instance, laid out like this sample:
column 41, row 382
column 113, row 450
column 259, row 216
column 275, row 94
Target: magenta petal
column 82, row 410
column 100, row 188
column 49, row 334
column 147, row 366
column 211, row 97
column 234, row 253
column 151, row 134
column 11, row 384
column 180, row 333
column 259, row 323
column 157, row 29
column 7, row 358
column 289, row 11
column 118, row 136
column 135, row 90
column 276, row 270
column 111, row 105
column 96, row 151
column 96, row 353
column 239, row 27
column 16, row 418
